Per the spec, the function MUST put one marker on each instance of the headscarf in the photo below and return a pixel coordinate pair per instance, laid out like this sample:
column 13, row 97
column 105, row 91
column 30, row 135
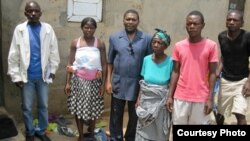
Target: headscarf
column 162, row 35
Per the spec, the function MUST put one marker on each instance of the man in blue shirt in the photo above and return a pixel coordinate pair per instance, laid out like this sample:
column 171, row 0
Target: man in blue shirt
column 127, row 48
column 32, row 63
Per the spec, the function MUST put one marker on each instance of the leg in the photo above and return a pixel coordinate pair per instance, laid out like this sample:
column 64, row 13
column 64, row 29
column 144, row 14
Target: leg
column 219, row 119
column 181, row 112
column 79, row 124
column 116, row 119
column 27, row 102
column 240, row 104
column 197, row 115
column 42, row 105
column 92, row 128
column 225, row 100
column 132, row 122
column 241, row 119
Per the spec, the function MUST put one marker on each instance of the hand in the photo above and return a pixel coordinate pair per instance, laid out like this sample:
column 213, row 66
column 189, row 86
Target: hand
column 137, row 103
column 169, row 104
column 218, row 75
column 99, row 74
column 246, row 95
column 102, row 90
column 67, row 89
column 70, row 69
column 53, row 76
column 109, row 88
column 208, row 107
column 246, row 89
column 19, row 84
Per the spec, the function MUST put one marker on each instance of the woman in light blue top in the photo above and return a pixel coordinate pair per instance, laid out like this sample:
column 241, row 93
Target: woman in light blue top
column 153, row 118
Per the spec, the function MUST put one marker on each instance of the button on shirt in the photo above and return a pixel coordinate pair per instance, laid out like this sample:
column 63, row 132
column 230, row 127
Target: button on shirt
column 127, row 58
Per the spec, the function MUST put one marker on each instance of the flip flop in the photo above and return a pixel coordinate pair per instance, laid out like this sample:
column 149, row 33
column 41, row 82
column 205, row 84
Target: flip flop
column 62, row 121
column 66, row 131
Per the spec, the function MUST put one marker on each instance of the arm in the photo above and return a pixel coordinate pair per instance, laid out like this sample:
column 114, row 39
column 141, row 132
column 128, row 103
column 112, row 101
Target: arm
column 54, row 57
column 246, row 87
column 173, row 83
column 70, row 62
column 219, row 68
column 14, row 59
column 138, row 99
column 111, row 56
column 212, row 78
column 104, row 66
column 108, row 80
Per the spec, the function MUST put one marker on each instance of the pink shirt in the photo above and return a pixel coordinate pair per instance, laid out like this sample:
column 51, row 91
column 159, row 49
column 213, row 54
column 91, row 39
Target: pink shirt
column 193, row 85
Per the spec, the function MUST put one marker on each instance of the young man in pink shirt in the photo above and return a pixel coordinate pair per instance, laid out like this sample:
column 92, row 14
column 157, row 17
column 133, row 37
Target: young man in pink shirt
column 194, row 74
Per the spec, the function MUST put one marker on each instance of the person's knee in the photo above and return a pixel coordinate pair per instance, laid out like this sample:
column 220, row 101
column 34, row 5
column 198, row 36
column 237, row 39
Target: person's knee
column 26, row 107
column 43, row 107
column 240, row 116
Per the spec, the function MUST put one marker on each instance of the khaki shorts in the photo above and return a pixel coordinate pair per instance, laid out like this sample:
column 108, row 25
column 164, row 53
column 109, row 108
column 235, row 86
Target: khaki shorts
column 185, row 113
column 230, row 98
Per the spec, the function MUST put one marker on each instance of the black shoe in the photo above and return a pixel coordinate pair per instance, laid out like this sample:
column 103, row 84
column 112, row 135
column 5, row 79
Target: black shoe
column 43, row 137
column 29, row 138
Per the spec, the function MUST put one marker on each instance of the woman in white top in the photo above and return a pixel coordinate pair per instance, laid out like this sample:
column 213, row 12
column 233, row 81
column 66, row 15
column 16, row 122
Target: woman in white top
column 86, row 73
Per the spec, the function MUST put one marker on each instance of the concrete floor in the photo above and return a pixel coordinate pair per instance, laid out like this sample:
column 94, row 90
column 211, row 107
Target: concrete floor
column 55, row 136
column 105, row 118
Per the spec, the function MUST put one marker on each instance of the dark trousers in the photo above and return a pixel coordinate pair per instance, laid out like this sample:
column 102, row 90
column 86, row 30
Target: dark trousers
column 116, row 120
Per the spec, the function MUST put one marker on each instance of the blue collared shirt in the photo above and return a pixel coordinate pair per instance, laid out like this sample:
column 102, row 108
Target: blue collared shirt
column 127, row 58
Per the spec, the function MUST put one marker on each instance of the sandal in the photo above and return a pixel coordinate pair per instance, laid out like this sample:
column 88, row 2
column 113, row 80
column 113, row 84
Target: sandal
column 62, row 121
column 66, row 131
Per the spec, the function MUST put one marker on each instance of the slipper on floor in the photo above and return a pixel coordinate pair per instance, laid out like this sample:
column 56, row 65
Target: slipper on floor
column 62, row 121
column 66, row 131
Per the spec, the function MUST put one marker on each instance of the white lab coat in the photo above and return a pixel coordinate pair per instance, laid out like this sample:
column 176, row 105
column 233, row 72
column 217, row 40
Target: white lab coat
column 19, row 53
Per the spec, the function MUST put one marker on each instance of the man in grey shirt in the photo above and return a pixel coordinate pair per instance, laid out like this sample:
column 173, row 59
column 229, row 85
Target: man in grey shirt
column 127, row 48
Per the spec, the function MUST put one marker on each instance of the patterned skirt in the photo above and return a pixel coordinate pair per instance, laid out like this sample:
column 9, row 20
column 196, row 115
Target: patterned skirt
column 84, row 100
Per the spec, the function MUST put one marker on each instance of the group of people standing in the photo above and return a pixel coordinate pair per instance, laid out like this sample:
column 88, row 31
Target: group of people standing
column 158, row 89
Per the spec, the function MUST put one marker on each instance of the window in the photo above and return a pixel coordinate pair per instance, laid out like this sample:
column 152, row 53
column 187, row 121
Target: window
column 79, row 9
column 236, row 4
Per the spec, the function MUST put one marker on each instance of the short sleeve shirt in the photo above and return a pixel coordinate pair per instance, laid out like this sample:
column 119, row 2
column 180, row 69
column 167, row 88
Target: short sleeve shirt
column 127, row 58
column 154, row 73
column 193, row 84
column 235, row 54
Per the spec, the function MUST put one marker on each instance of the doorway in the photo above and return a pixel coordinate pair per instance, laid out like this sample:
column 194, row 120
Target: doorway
column 1, row 60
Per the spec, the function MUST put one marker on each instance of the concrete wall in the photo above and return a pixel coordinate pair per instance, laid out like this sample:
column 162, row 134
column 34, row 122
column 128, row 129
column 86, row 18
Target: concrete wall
column 165, row 14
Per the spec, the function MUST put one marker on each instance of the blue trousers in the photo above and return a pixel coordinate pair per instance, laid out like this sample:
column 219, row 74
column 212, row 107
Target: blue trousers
column 35, row 89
